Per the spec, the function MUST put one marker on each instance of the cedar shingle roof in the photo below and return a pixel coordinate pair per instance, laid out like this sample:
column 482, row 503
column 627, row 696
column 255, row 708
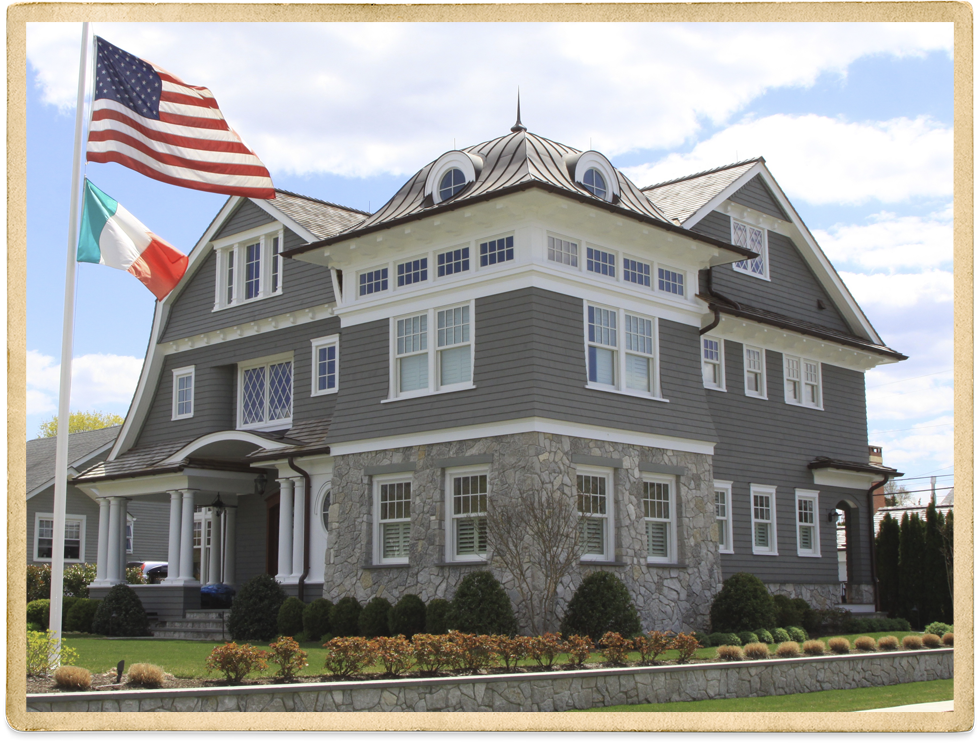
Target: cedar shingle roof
column 41, row 453
column 683, row 197
column 318, row 216
column 306, row 436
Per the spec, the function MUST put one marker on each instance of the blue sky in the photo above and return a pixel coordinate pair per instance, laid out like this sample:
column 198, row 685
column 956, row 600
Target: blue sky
column 855, row 123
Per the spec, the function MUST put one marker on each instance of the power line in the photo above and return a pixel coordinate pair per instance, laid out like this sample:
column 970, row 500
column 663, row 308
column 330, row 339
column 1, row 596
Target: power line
column 934, row 476
column 918, row 491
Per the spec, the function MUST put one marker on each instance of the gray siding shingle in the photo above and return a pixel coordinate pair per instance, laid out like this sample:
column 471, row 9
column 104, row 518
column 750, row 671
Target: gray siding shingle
column 755, row 194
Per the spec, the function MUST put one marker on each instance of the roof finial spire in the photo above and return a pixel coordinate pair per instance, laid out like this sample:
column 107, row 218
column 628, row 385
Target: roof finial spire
column 518, row 127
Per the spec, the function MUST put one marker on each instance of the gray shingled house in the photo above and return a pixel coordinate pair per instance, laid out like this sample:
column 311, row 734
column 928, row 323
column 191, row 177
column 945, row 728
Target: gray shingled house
column 336, row 397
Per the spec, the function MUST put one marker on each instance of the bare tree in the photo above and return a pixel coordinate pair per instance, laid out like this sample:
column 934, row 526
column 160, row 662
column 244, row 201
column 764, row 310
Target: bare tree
column 535, row 537
column 897, row 495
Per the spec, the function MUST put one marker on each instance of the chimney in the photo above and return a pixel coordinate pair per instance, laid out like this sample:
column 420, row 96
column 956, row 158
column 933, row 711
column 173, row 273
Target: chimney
column 874, row 458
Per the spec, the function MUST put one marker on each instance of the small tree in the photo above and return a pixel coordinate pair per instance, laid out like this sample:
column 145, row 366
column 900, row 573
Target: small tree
column 80, row 421
column 480, row 606
column 896, row 495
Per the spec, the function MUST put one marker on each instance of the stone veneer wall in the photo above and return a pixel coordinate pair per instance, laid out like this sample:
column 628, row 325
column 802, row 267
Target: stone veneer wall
column 822, row 596
column 542, row 692
column 667, row 596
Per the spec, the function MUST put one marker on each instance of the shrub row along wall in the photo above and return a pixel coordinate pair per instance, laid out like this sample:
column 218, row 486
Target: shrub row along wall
column 545, row 692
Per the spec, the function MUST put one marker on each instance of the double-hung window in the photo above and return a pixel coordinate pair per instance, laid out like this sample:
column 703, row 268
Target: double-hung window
column 713, row 362
column 625, row 363
column 755, row 239
column 265, row 393
column 129, row 535
column 326, row 364
column 466, row 490
column 659, row 516
column 802, row 381
column 44, row 537
column 393, row 518
column 249, row 266
column 755, row 372
column 496, row 251
column 562, row 251
column 183, row 398
column 723, row 515
column 432, row 351
column 763, row 519
column 807, row 530
column 595, row 500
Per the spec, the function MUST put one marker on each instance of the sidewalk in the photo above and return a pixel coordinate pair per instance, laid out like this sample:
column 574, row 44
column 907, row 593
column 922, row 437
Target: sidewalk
column 925, row 707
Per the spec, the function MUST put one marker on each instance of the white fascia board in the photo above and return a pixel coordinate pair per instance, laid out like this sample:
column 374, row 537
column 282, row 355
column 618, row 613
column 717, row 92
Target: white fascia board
column 204, row 480
column 696, row 217
column 845, row 479
column 523, row 426
column 253, row 327
column 226, row 436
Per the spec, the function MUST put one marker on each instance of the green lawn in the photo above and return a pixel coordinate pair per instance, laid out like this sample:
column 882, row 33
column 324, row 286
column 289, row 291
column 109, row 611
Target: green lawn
column 831, row 700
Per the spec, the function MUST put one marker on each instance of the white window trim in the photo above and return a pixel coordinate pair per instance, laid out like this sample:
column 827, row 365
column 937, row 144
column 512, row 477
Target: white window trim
column 235, row 247
column 721, row 387
column 726, row 487
column 317, row 344
column 432, row 352
column 617, row 257
column 485, row 240
column 376, row 483
column 579, row 255
column 266, row 361
column 609, row 475
column 632, row 284
column 38, row 516
column 621, row 352
column 468, row 164
column 595, row 160
column 452, row 473
column 671, row 482
column 764, row 394
column 815, row 497
column 774, row 536
column 668, row 294
column 765, row 249
column 803, row 401
column 131, row 536
column 177, row 374
column 357, row 280
column 393, row 284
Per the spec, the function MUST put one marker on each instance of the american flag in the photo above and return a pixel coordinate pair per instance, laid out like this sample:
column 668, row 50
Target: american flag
column 151, row 121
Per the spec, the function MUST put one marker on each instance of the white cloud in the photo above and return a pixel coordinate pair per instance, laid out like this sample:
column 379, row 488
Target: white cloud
column 891, row 241
column 900, row 290
column 365, row 99
column 98, row 382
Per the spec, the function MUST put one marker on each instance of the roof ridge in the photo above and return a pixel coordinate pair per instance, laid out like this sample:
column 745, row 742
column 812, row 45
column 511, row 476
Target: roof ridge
column 324, row 202
column 706, row 171
column 72, row 434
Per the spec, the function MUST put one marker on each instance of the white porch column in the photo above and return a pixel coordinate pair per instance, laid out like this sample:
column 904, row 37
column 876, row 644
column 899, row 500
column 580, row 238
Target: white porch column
column 228, row 577
column 112, row 544
column 102, row 556
column 173, row 548
column 285, row 529
column 123, row 517
column 214, row 553
column 299, row 528
column 187, row 538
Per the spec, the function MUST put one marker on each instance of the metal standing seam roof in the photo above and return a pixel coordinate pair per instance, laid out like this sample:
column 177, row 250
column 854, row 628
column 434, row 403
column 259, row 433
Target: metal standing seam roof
column 41, row 453
column 321, row 218
column 681, row 198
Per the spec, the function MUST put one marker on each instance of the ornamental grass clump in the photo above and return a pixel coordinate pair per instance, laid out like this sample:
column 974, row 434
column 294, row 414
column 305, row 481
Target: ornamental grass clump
column 615, row 648
column 546, row 648
column 730, row 653
column 653, row 644
column 73, row 678
column 347, row 656
column 839, row 645
column 512, row 650
column 394, row 654
column 686, row 646
column 145, row 675
column 433, row 653
column 948, row 639
column 286, row 654
column 888, row 642
column 788, row 649
column 235, row 661
column 865, row 644
column 912, row 642
column 579, row 648
column 756, row 651
column 932, row 641
column 814, row 647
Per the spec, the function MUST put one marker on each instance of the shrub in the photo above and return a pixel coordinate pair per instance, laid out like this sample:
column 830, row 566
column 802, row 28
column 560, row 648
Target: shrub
column 407, row 617
column 437, row 617
column 756, row 651
column 780, row 635
column 724, row 638
column 839, row 645
column 685, row 645
column 742, row 604
column 813, row 647
column 304, row 636
column 829, row 621
column 932, row 641
column 901, row 625
column 474, row 652
column 888, row 643
column 32, row 627
column 135, row 576
column 73, row 678
column 865, row 644
column 512, row 650
column 373, row 620
column 121, row 614
column 235, row 661
column 653, row 644
column 704, row 640
column 345, row 617
column 394, row 653
column 601, row 604
column 912, row 642
column 546, row 648
column 579, row 648
column 937, row 628
column 948, row 639
column 615, row 648
column 38, row 582
column 432, row 653
column 255, row 609
column 796, row 634
column 145, row 675
column 316, row 618
column 77, row 578
column 285, row 653
column 765, row 636
column 747, row 637
column 38, row 612
column 347, row 656
column 79, row 618
column 481, row 606
column 790, row 612
column 290, row 618
column 788, row 649
column 730, row 653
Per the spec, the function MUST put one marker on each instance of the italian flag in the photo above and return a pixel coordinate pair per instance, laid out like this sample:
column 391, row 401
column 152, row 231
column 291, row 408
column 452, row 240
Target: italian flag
column 111, row 235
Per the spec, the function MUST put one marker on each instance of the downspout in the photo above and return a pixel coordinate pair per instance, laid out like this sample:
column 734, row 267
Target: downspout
column 306, row 525
column 714, row 323
column 871, row 534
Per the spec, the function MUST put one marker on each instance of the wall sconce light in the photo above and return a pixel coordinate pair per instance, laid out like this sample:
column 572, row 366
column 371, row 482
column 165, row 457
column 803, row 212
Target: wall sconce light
column 260, row 483
column 832, row 517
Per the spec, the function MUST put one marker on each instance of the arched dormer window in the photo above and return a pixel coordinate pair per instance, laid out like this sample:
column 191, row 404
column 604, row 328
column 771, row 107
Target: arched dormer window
column 451, row 174
column 595, row 183
column 451, row 183
column 593, row 172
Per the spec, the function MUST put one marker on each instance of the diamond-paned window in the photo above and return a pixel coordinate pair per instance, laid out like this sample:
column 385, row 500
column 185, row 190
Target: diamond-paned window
column 751, row 238
column 601, row 262
column 266, row 394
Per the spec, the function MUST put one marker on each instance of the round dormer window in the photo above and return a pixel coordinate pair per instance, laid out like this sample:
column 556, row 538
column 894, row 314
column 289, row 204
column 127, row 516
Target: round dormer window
column 595, row 183
column 451, row 184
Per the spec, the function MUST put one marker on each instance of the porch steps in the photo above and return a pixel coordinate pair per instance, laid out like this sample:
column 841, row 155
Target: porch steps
column 208, row 625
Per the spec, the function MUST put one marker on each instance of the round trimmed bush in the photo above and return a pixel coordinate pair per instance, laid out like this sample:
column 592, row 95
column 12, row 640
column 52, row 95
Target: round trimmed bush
column 756, row 651
column 839, row 645
column 790, row 612
column 718, row 639
column 742, row 604
column 438, row 617
column 345, row 617
column 373, row 621
column 601, row 604
column 407, row 617
column 730, row 653
column 121, row 614
column 704, row 640
column 796, row 634
column 316, row 619
column 814, row 647
column 255, row 609
column 937, row 628
column 888, row 642
column 482, row 607
column 748, row 637
column 788, row 649
column 865, row 644
column 290, row 619
column 780, row 635
column 912, row 642
column 39, row 613
column 79, row 618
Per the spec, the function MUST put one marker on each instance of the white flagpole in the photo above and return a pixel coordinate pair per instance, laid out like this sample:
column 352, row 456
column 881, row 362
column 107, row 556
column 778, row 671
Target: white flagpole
column 64, row 392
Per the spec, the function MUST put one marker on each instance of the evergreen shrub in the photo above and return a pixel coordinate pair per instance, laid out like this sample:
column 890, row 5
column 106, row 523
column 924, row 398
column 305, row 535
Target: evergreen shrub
column 79, row 618
column 796, row 634
column 748, row 637
column 345, row 617
column 316, row 619
column 438, row 617
column 481, row 606
column 373, row 620
column 703, row 638
column 765, row 636
column 121, row 614
column 790, row 612
column 742, row 604
column 717, row 639
column 407, row 617
column 290, row 619
column 38, row 613
column 255, row 609
column 38, row 582
column 601, row 604
column 780, row 635
column 937, row 628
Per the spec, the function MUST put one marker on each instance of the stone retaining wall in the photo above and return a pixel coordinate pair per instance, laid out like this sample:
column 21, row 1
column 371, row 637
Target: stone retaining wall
column 545, row 692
